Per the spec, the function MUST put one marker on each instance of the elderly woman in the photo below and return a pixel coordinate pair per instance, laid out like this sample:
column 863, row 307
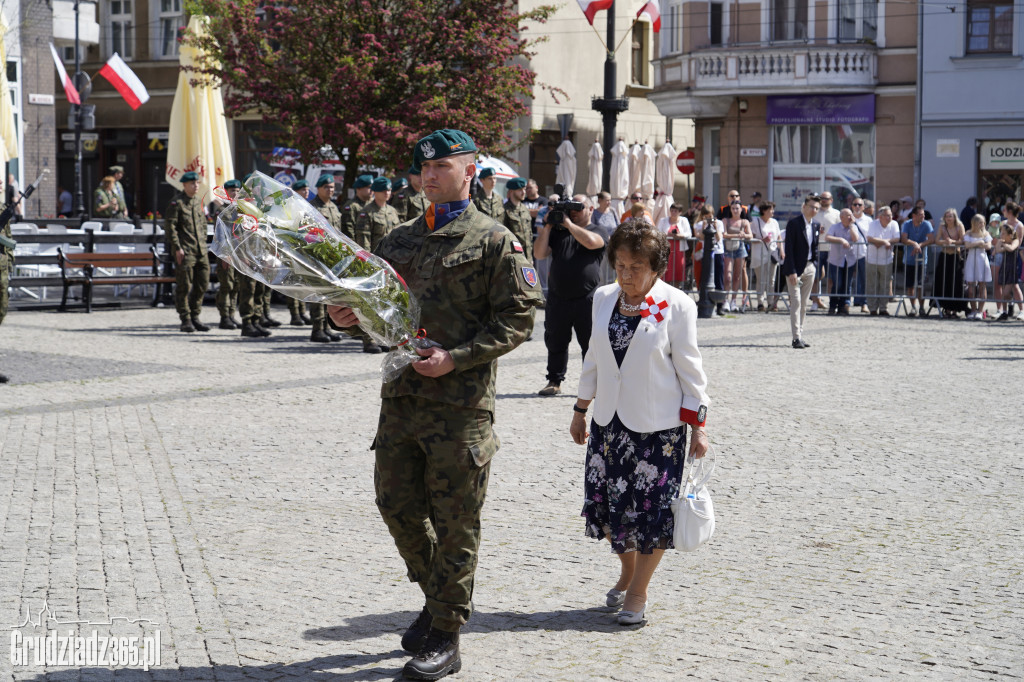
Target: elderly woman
column 644, row 375
column 105, row 199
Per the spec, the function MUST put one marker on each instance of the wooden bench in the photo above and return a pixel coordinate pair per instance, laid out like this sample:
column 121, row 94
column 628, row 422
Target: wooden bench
column 85, row 269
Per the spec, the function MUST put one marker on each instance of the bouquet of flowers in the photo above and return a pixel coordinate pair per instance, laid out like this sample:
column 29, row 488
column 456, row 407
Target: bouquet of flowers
column 269, row 233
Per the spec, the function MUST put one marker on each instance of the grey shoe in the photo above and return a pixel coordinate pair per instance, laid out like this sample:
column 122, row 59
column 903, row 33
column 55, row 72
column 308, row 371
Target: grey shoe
column 615, row 598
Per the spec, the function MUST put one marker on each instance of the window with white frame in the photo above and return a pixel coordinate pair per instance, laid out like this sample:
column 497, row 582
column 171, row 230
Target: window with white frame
column 170, row 21
column 858, row 20
column 120, row 30
column 672, row 29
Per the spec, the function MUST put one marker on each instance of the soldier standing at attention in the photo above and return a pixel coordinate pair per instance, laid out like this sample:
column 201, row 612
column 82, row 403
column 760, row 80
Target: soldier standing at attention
column 350, row 210
column 417, row 199
column 487, row 200
column 227, row 278
column 517, row 217
column 296, row 307
column 400, row 198
column 185, row 226
column 117, row 172
column 434, row 441
column 7, row 245
column 329, row 210
column 377, row 217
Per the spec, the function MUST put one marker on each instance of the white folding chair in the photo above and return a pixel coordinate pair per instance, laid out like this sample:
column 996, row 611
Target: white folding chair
column 53, row 228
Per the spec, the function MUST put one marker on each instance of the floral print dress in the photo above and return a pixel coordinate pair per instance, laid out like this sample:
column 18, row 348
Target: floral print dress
column 631, row 477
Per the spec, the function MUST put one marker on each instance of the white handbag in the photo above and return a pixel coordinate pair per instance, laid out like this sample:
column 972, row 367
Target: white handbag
column 693, row 510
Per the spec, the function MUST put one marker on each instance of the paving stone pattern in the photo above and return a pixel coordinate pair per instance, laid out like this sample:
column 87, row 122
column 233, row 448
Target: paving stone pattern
column 868, row 492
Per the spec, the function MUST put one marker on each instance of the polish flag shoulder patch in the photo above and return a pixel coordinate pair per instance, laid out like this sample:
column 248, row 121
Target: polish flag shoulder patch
column 516, row 246
column 653, row 309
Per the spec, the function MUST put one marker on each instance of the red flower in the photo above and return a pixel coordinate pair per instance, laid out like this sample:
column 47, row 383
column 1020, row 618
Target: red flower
column 315, row 234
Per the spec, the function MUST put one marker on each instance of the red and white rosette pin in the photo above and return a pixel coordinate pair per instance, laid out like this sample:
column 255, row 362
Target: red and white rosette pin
column 653, row 309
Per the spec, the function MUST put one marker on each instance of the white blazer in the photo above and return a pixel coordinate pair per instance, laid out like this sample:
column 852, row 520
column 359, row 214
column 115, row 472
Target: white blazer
column 661, row 383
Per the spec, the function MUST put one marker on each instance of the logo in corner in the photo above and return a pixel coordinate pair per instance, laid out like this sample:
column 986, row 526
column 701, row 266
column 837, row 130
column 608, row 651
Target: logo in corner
column 428, row 150
column 530, row 275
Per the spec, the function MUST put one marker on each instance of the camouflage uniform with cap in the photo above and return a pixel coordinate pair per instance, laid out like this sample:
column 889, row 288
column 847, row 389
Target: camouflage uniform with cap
column 185, row 230
column 122, row 202
column 227, row 276
column 516, row 217
column 374, row 220
column 489, row 205
column 7, row 244
column 417, row 200
column 400, row 192
column 297, row 308
column 318, row 311
column 351, row 208
column 434, row 442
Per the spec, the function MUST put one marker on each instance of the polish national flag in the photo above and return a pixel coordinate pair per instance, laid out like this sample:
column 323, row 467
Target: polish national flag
column 125, row 81
column 592, row 7
column 69, row 87
column 653, row 13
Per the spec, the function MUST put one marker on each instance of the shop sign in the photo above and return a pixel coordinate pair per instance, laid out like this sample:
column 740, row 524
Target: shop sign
column 753, row 151
column 1002, row 155
column 820, row 109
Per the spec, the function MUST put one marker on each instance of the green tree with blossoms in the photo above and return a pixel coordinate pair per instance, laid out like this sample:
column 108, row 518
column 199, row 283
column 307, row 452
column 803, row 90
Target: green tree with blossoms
column 373, row 76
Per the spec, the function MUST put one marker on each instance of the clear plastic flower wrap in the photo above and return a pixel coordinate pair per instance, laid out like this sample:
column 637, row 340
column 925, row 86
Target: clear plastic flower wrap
column 271, row 234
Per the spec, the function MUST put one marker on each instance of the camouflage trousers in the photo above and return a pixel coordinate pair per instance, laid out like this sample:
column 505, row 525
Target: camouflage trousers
column 250, row 297
column 317, row 311
column 5, row 278
column 192, row 281
column 432, row 467
column 227, row 293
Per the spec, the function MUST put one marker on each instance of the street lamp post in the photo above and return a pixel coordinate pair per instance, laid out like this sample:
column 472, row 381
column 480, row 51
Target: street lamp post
column 79, row 197
column 610, row 106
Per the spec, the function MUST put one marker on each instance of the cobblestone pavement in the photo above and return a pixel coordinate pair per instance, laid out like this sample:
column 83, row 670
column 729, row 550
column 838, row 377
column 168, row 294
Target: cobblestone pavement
column 868, row 493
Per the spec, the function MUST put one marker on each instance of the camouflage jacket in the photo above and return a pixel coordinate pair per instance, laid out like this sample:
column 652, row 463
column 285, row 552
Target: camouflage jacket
column 373, row 223
column 329, row 210
column 349, row 211
column 100, row 197
column 489, row 206
column 400, row 201
column 477, row 295
column 417, row 205
column 517, row 219
column 185, row 224
column 6, row 255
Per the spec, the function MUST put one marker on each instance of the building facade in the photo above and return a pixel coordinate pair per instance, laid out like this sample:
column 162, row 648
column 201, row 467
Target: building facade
column 791, row 97
column 572, row 60
column 972, row 105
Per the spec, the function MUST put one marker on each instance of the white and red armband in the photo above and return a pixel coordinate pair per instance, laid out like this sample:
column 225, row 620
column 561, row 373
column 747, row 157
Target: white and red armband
column 692, row 412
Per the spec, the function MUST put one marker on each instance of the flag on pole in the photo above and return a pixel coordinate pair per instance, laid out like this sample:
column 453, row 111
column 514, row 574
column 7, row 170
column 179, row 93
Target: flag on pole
column 592, row 7
column 125, row 81
column 653, row 13
column 69, row 87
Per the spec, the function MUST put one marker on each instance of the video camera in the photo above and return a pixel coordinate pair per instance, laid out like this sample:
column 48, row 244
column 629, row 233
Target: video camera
column 558, row 210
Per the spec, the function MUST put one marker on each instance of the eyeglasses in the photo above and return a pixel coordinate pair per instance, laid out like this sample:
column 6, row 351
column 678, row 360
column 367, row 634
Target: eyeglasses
column 858, row 204
column 734, row 196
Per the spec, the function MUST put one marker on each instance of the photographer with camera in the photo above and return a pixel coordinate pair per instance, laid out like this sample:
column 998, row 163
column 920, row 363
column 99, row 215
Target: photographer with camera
column 576, row 247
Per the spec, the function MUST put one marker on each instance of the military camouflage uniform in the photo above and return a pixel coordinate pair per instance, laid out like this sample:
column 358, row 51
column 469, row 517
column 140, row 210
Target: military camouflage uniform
column 417, row 205
column 434, row 441
column 100, row 197
column 6, row 265
column 517, row 219
column 349, row 212
column 489, row 206
column 250, row 299
column 185, row 226
column 227, row 277
column 400, row 202
column 330, row 211
column 373, row 223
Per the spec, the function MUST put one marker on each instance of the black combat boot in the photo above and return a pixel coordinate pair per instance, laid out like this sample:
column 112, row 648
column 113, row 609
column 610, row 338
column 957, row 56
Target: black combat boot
column 416, row 636
column 319, row 335
column 305, row 318
column 331, row 334
column 438, row 657
column 252, row 330
column 296, row 320
column 226, row 323
column 234, row 320
column 187, row 327
column 200, row 327
column 268, row 321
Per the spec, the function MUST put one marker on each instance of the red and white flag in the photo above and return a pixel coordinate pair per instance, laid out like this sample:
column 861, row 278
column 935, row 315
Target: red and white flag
column 69, row 87
column 653, row 13
column 125, row 81
column 592, row 7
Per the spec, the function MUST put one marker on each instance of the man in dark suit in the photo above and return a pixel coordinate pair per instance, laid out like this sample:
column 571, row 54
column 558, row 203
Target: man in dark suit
column 799, row 266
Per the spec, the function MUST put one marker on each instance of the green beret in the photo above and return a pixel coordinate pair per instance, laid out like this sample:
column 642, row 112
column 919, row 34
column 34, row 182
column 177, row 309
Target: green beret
column 232, row 184
column 324, row 180
column 191, row 176
column 516, row 183
column 300, row 184
column 381, row 184
column 486, row 173
column 246, row 177
column 442, row 143
column 399, row 183
column 413, row 170
column 362, row 181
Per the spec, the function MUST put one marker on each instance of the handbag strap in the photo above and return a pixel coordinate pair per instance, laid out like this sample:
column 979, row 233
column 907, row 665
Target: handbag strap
column 707, row 467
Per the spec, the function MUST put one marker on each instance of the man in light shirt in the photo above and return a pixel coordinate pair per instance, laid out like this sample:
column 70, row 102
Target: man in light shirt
column 882, row 235
column 827, row 217
column 860, row 249
column 842, row 262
